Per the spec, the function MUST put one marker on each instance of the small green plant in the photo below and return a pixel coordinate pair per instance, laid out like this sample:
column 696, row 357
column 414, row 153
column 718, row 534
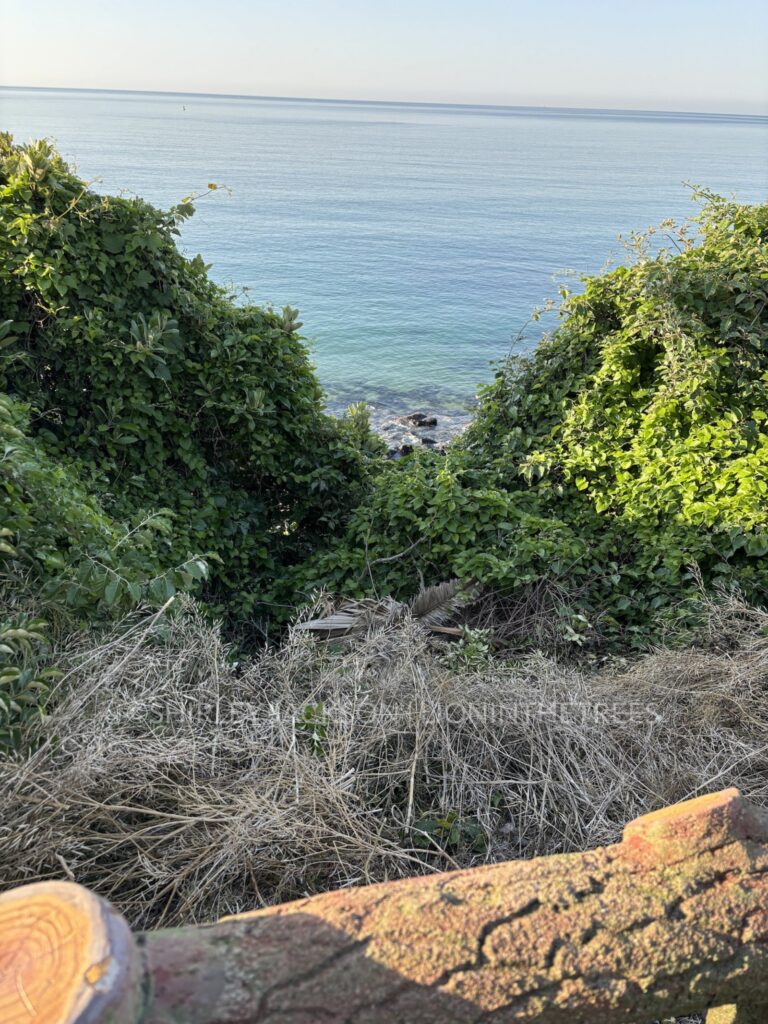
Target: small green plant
column 576, row 628
column 312, row 726
column 450, row 832
column 473, row 650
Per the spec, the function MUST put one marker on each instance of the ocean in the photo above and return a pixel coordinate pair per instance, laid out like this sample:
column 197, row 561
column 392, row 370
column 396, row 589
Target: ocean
column 414, row 238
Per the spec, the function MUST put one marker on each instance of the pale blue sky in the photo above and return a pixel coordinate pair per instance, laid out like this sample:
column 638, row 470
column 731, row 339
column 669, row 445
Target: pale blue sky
column 707, row 55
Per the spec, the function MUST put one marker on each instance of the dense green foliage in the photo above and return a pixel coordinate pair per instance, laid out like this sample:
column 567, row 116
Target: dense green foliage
column 180, row 411
column 619, row 465
column 159, row 436
column 60, row 552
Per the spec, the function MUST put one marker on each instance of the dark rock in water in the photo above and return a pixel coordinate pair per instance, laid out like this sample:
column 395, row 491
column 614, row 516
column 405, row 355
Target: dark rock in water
column 402, row 432
column 398, row 453
column 399, row 432
column 404, row 445
column 418, row 419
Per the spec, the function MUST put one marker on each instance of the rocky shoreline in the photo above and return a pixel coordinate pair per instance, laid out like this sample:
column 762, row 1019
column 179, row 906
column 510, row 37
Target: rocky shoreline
column 403, row 434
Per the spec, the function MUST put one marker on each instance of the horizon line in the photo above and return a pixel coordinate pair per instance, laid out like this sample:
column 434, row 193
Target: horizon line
column 390, row 103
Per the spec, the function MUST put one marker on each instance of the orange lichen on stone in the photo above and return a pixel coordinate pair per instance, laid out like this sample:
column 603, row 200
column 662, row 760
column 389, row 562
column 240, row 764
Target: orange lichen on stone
column 702, row 824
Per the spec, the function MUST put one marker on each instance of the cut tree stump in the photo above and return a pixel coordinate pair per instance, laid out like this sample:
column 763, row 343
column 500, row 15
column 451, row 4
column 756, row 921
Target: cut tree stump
column 66, row 957
column 672, row 920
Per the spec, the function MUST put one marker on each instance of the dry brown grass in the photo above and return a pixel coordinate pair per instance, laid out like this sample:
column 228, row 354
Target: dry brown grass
column 183, row 787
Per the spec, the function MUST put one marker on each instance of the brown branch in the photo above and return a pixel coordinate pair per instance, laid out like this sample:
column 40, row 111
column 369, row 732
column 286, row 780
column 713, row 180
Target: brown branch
column 671, row 920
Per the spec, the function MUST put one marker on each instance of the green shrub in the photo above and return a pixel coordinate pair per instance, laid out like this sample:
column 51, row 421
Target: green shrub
column 183, row 411
column 23, row 685
column 615, row 469
column 63, row 557
column 57, row 534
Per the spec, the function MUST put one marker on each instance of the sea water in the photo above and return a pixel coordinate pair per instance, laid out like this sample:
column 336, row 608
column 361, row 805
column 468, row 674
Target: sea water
column 414, row 239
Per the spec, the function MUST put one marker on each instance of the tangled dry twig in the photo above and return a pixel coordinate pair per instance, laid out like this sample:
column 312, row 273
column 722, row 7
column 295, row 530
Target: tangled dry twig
column 183, row 787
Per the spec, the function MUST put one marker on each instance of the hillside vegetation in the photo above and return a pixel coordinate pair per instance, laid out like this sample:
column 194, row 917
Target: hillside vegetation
column 161, row 437
column 161, row 394
column 613, row 472
column 157, row 435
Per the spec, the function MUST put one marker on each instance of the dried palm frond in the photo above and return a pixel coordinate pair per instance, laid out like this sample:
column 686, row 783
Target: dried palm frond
column 354, row 617
column 433, row 607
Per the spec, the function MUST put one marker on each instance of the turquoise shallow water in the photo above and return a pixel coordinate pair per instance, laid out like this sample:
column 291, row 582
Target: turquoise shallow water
column 414, row 239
